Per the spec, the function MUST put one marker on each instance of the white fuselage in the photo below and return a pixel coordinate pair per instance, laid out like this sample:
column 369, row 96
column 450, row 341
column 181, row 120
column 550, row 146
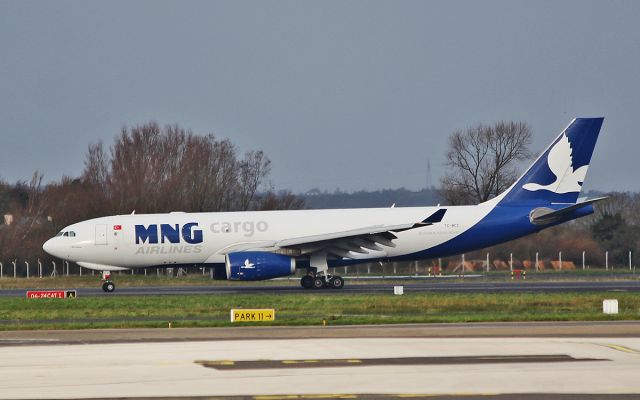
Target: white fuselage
column 111, row 241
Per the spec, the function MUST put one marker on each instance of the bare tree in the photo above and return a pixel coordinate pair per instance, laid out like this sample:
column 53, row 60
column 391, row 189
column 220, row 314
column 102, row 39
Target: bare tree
column 159, row 169
column 24, row 233
column 36, row 203
column 96, row 165
column 481, row 161
column 626, row 204
column 253, row 169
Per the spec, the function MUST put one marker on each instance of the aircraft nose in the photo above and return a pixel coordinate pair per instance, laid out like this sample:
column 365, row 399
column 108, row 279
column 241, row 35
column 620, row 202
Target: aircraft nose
column 49, row 247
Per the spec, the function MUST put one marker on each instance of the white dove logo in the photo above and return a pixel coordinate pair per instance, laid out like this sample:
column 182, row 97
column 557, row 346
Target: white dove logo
column 560, row 163
column 248, row 264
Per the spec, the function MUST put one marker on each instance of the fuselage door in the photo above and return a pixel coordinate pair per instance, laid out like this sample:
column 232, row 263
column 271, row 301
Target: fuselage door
column 101, row 234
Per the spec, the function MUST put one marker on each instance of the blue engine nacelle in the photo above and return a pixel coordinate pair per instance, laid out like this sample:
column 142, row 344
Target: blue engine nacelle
column 258, row 265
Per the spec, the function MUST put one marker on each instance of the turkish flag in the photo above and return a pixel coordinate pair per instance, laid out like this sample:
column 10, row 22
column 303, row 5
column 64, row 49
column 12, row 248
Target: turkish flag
column 117, row 227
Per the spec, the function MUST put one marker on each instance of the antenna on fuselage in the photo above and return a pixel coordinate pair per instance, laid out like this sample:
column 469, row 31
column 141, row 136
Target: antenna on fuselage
column 133, row 212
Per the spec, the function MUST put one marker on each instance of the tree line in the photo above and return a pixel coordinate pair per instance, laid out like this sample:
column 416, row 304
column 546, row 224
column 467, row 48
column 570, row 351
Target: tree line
column 147, row 169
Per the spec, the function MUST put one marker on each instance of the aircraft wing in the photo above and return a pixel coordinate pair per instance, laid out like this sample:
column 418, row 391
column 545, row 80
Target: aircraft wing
column 361, row 240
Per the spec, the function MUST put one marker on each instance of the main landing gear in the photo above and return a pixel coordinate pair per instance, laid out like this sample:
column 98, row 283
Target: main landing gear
column 318, row 274
column 107, row 285
column 313, row 281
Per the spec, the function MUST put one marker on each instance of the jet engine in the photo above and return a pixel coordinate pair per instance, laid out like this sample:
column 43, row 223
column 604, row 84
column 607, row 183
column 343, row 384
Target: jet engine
column 258, row 265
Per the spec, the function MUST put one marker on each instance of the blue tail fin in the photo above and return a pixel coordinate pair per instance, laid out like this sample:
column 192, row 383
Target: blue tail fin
column 557, row 175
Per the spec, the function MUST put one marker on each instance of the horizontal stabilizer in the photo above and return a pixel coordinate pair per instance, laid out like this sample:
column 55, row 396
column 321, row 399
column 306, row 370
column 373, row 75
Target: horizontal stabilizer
column 545, row 216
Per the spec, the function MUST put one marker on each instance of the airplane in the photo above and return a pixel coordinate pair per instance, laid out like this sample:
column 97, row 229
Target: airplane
column 260, row 245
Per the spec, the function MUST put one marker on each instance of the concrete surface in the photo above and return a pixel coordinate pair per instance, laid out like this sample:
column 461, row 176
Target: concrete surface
column 172, row 368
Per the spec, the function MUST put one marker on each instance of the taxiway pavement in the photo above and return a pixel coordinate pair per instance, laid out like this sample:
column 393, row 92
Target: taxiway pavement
column 354, row 288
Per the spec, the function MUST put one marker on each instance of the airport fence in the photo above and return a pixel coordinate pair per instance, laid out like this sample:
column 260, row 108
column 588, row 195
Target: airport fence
column 455, row 265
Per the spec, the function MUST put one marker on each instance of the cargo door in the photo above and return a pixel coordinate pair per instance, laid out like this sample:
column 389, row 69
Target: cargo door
column 101, row 234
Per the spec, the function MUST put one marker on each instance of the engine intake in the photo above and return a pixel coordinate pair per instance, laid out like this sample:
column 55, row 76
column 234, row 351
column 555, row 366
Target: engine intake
column 258, row 265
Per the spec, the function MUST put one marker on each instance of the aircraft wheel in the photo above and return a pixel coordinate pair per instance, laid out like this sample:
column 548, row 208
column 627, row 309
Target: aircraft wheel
column 318, row 283
column 108, row 287
column 306, row 282
column 336, row 282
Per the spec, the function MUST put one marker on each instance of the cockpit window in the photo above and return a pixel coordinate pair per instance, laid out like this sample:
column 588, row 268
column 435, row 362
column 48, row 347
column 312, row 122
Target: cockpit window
column 66, row 234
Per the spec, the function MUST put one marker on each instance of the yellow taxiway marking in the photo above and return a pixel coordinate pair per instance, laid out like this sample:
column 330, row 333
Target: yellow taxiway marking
column 217, row 362
column 621, row 348
column 300, row 361
column 408, row 396
column 359, row 396
column 348, row 361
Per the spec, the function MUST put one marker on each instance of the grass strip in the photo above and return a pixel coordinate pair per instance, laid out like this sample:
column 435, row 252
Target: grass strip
column 309, row 309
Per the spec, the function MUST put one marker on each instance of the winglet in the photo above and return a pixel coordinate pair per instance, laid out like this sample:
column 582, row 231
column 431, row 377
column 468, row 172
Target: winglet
column 435, row 217
column 430, row 220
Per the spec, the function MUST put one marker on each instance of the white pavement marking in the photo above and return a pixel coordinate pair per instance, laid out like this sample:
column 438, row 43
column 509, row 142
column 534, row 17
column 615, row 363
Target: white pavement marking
column 168, row 369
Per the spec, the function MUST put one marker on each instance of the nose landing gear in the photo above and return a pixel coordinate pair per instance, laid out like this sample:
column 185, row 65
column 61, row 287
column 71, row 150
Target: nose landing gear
column 107, row 285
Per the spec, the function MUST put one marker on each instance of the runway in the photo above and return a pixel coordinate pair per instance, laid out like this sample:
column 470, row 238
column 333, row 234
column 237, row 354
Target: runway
column 389, row 362
column 352, row 287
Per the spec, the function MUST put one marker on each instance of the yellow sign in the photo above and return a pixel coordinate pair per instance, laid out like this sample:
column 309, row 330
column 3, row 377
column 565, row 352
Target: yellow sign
column 258, row 315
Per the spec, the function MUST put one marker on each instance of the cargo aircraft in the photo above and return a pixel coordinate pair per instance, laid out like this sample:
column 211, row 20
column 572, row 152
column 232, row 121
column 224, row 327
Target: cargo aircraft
column 258, row 245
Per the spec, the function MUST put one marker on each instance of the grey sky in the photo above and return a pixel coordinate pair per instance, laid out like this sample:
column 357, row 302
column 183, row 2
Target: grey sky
column 356, row 95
